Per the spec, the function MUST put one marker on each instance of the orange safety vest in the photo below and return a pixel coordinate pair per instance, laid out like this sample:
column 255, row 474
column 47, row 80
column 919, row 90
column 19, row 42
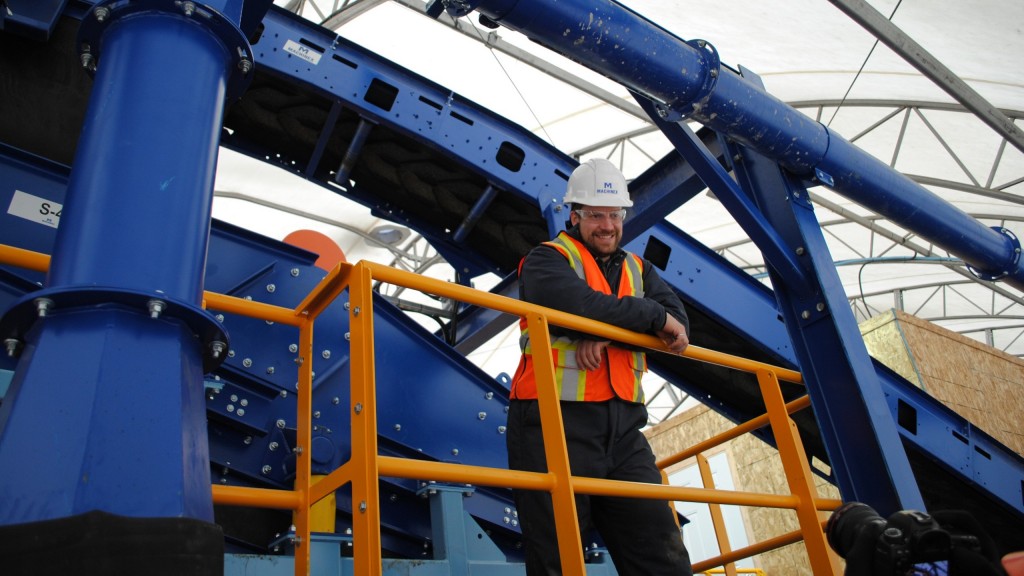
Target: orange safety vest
column 620, row 373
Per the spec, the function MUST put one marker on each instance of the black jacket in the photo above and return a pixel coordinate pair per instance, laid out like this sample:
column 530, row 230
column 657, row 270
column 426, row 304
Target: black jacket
column 546, row 279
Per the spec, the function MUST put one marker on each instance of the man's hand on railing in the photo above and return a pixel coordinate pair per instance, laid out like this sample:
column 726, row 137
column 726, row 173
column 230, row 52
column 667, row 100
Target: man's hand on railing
column 673, row 334
column 589, row 353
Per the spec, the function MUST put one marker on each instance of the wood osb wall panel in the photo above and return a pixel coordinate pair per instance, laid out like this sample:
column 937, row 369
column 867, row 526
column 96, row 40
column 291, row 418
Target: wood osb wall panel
column 982, row 384
column 757, row 468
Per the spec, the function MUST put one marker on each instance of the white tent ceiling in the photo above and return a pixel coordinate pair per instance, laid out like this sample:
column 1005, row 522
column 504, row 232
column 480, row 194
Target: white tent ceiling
column 807, row 52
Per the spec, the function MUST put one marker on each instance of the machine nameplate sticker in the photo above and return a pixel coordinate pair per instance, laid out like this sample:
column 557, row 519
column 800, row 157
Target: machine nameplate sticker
column 36, row 209
column 306, row 53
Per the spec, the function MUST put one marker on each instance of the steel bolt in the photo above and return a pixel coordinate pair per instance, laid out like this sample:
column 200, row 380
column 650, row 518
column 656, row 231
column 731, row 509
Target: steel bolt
column 326, row 354
column 247, row 441
column 482, row 416
column 347, row 305
column 284, row 393
column 43, row 306
column 316, row 414
column 247, row 362
column 359, row 407
column 489, row 395
column 800, row 250
column 270, row 370
column 820, row 306
column 298, row 450
column 713, row 72
column 280, row 423
column 101, row 13
column 272, row 446
column 266, row 469
column 188, row 8
column 362, row 506
column 231, row 353
column 293, row 348
column 501, row 429
column 88, row 61
column 398, row 427
column 271, row 288
column 355, row 311
column 335, row 400
column 240, row 412
column 245, row 65
column 11, row 345
column 156, row 307
column 230, row 408
column 217, row 348
column 805, row 314
column 219, row 318
column 455, row 451
column 348, row 335
column 295, row 272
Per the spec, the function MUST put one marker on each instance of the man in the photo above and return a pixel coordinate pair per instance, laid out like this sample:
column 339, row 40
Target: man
column 584, row 272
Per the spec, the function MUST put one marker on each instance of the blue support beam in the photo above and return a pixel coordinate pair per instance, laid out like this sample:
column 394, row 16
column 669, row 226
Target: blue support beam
column 868, row 461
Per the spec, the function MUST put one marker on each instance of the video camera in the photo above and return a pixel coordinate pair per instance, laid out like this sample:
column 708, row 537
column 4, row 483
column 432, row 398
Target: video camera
column 909, row 542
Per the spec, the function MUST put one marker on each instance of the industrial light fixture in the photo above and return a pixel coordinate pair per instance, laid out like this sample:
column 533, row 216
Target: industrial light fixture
column 389, row 234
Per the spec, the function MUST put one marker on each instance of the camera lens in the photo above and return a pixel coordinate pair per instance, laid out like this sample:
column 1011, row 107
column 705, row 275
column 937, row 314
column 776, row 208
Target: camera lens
column 848, row 523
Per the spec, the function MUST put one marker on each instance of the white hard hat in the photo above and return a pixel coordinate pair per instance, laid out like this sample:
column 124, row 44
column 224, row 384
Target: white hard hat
column 597, row 182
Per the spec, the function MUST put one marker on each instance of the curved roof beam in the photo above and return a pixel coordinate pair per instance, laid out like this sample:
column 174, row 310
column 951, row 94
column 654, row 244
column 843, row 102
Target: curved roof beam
column 899, row 42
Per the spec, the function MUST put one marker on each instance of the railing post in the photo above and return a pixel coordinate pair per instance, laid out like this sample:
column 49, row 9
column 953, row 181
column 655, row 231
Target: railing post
column 570, row 546
column 303, row 440
column 717, row 520
column 365, row 490
column 798, row 474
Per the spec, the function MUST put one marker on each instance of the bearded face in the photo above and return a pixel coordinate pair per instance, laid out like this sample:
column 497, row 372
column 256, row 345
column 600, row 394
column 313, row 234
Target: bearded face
column 600, row 228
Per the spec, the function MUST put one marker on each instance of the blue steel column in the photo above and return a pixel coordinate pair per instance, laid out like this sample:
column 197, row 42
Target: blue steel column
column 106, row 410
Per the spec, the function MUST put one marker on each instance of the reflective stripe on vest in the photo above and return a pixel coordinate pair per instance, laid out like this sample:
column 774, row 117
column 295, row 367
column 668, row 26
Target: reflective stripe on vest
column 620, row 375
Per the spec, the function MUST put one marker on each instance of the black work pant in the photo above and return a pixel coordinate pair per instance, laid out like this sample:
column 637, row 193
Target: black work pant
column 604, row 441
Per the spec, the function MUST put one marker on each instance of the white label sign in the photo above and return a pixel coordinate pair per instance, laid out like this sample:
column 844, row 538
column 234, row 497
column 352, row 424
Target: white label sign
column 305, row 52
column 36, row 209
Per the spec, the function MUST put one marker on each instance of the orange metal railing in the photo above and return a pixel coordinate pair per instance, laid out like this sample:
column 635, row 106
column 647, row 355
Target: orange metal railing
column 365, row 465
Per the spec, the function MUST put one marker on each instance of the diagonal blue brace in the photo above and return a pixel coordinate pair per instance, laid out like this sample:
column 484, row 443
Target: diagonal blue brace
column 689, row 146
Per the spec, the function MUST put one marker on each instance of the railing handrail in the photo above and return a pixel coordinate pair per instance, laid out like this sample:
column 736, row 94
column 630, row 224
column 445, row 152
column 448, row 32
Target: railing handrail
column 365, row 469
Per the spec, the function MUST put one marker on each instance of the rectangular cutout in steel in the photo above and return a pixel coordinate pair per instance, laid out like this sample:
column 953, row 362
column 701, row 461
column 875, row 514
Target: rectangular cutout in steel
column 381, row 94
column 906, row 417
column 657, row 252
column 458, row 116
column 345, row 61
column 431, row 103
column 510, row 156
column 312, row 45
